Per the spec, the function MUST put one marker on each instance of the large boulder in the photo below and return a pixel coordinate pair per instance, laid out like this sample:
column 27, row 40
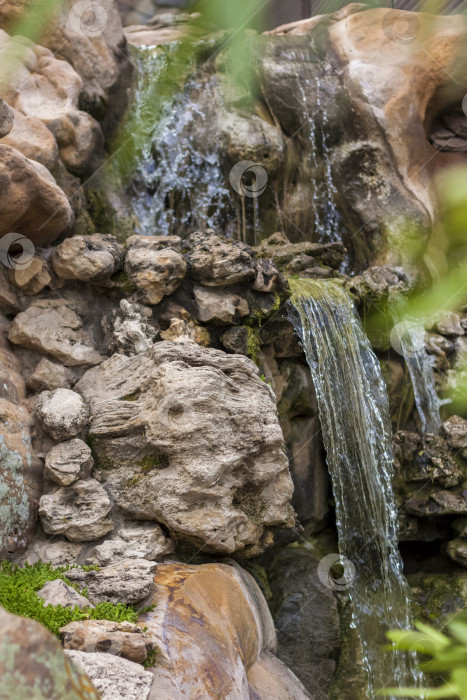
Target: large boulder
column 189, row 437
column 33, row 664
column 211, row 625
column 30, row 202
column 20, row 470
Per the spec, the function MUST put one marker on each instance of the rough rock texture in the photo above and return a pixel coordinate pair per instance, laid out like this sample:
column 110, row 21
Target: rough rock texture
column 33, row 139
column 67, row 462
column 114, row 678
column 59, row 593
column 49, row 375
column 455, row 429
column 219, row 307
column 79, row 511
column 217, row 262
column 134, row 541
column 130, row 330
column 91, row 258
column 121, row 639
column 33, row 664
column 54, row 549
column 155, row 273
column 211, row 625
column 47, row 89
column 6, row 118
column 190, row 437
column 32, row 279
column 50, row 326
column 30, row 201
column 20, row 477
column 62, row 413
column 129, row 581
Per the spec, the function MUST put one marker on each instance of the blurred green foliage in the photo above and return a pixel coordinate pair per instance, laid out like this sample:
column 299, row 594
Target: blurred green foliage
column 446, row 656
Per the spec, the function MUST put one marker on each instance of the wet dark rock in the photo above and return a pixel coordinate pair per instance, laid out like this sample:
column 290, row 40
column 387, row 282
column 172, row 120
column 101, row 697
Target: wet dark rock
column 421, row 458
column 295, row 257
column 215, row 261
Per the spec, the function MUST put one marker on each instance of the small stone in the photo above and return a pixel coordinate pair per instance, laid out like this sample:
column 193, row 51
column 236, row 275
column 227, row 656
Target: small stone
column 49, row 376
column 122, row 639
column 67, row 462
column 155, row 273
column 185, row 330
column 31, row 279
column 131, row 331
column 267, row 276
column 61, row 413
column 457, row 550
column 51, row 327
column 78, row 511
column 236, row 340
column 449, row 323
column 115, row 678
column 455, row 430
column 219, row 307
column 134, row 541
column 215, row 261
column 59, row 593
column 91, row 258
column 129, row 581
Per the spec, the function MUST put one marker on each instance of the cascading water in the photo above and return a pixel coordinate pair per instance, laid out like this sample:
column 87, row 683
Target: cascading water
column 177, row 185
column 326, row 216
column 409, row 338
column 354, row 415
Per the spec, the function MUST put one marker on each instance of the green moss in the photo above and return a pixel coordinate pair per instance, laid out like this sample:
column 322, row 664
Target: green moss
column 134, row 481
column 153, row 461
column 151, row 659
column 253, row 345
column 18, row 595
column 131, row 397
column 260, row 575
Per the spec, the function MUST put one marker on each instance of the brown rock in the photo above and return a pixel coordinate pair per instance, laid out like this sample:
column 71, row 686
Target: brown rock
column 270, row 679
column 216, row 261
column 155, row 273
column 33, row 278
column 33, row 139
column 30, row 201
column 118, row 638
column 91, row 258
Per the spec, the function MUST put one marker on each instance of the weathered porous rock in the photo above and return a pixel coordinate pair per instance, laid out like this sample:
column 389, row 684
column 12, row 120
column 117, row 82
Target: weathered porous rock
column 56, row 549
column 114, row 678
column 134, row 541
column 59, row 593
column 51, row 327
column 80, row 511
column 189, row 437
column 129, row 581
column 61, row 413
column 455, row 430
column 30, row 201
column 121, row 639
column 155, row 273
column 67, row 462
column 457, row 550
column 267, row 276
column 211, row 624
column 449, row 323
column 420, row 458
column 219, row 307
column 216, row 262
column 31, row 279
column 131, row 330
column 296, row 257
column 49, row 376
column 92, row 258
column 236, row 340
column 33, row 664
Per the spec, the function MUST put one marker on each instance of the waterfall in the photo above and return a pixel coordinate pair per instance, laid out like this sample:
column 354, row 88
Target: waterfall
column 178, row 184
column 408, row 337
column 354, row 415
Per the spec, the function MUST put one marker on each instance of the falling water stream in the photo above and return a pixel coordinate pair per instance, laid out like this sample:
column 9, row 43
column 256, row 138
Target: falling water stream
column 354, row 415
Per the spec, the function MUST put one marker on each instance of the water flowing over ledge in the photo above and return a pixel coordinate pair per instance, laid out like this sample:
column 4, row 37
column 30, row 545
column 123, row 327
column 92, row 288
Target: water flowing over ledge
column 354, row 415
